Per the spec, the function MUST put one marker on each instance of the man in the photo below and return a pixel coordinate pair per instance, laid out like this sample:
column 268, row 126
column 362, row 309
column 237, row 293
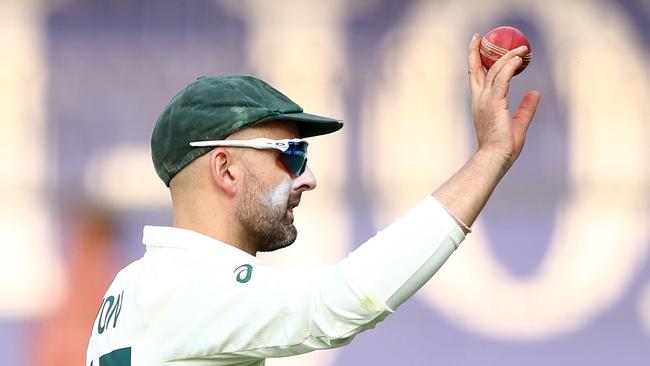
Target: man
column 231, row 151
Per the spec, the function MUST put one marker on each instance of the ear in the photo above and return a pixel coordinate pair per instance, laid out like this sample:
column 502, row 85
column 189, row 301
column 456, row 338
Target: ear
column 222, row 171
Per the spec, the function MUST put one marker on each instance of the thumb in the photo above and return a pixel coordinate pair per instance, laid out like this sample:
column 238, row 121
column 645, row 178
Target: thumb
column 526, row 110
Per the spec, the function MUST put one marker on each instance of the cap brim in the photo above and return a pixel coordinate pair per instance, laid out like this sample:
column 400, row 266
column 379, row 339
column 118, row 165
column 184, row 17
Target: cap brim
column 311, row 124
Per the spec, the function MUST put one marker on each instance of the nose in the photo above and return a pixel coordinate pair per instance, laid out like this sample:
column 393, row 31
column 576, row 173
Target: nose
column 306, row 181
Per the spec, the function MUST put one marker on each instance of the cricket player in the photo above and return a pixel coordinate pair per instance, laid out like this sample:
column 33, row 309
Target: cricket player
column 232, row 152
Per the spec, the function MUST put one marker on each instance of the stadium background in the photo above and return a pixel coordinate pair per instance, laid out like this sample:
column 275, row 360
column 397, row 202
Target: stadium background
column 556, row 271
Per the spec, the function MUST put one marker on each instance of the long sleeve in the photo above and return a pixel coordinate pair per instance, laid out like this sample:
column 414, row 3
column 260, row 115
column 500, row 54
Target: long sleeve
column 400, row 259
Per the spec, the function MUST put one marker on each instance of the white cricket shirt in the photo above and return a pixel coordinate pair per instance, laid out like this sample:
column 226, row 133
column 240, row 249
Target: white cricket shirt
column 192, row 300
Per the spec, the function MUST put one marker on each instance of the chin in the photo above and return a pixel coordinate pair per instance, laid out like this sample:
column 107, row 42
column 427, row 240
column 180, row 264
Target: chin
column 273, row 248
column 279, row 243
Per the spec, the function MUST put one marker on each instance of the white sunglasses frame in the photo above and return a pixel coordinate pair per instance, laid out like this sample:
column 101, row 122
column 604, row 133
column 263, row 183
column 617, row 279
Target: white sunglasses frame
column 260, row 143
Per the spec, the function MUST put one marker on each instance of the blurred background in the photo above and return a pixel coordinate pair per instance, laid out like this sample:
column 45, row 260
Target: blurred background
column 555, row 272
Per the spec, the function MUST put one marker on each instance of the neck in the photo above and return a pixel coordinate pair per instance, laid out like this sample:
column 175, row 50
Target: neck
column 216, row 225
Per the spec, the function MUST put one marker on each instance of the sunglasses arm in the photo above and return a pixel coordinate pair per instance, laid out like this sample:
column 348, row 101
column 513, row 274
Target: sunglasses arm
column 258, row 143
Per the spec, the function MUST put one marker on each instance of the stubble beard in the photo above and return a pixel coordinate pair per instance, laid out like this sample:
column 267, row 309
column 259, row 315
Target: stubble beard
column 267, row 228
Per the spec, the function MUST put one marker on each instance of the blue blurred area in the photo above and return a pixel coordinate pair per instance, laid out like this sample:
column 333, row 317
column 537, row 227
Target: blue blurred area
column 113, row 66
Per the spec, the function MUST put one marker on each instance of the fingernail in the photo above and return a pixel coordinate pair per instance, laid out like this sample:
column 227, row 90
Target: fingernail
column 474, row 37
column 516, row 58
column 522, row 48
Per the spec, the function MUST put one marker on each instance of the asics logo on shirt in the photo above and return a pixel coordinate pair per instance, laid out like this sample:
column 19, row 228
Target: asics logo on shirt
column 244, row 273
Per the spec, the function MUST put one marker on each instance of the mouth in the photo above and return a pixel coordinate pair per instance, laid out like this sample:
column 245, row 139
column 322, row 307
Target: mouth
column 291, row 205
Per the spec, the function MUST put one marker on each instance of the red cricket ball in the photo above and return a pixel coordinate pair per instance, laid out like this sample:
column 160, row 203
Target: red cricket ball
column 500, row 40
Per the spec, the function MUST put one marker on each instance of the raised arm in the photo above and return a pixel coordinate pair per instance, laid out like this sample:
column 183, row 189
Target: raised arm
column 417, row 245
column 500, row 136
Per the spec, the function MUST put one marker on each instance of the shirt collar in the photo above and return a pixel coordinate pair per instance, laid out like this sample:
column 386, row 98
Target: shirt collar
column 173, row 237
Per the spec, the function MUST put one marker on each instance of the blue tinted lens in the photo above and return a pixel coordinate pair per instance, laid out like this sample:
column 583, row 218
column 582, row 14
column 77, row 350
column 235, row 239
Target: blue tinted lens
column 294, row 158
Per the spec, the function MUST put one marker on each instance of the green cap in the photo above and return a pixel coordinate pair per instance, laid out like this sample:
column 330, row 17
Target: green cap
column 212, row 108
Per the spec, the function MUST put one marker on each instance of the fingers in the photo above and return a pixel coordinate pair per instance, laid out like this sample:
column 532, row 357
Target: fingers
column 502, row 80
column 503, row 62
column 474, row 65
column 526, row 110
